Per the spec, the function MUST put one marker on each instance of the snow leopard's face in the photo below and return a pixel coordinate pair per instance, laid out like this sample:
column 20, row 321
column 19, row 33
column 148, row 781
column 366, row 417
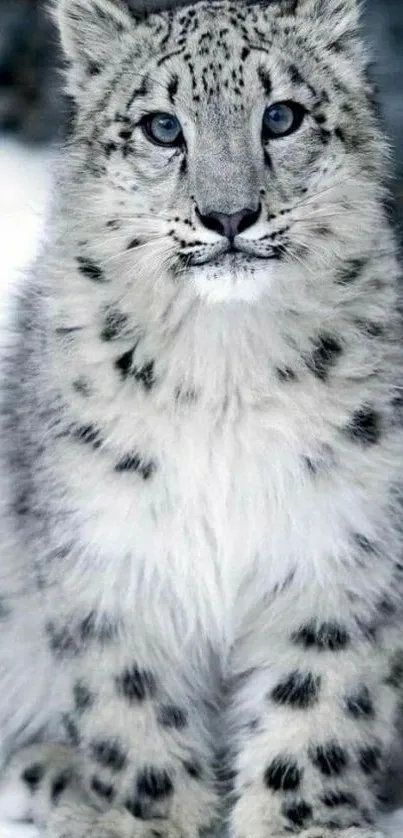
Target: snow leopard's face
column 228, row 140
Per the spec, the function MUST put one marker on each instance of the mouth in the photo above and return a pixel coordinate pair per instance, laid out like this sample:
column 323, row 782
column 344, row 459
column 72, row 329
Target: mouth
column 234, row 257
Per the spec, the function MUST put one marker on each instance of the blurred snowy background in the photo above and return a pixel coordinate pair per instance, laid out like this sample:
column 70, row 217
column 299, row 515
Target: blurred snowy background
column 33, row 116
column 25, row 177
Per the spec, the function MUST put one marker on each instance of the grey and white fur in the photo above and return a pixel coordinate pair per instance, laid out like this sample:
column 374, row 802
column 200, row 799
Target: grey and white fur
column 201, row 569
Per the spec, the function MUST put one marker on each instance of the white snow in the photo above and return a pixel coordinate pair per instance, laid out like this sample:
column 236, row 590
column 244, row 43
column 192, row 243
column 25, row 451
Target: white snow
column 25, row 179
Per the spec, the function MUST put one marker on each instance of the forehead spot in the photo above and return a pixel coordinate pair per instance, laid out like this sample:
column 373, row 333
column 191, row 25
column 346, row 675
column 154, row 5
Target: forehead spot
column 173, row 87
column 265, row 80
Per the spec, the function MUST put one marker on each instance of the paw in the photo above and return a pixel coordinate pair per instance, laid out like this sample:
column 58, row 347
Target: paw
column 77, row 820
column 32, row 777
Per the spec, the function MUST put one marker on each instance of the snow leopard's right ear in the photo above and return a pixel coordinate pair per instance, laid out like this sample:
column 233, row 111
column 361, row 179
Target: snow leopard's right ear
column 92, row 32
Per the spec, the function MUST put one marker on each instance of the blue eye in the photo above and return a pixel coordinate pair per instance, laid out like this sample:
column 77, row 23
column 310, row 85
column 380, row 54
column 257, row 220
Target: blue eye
column 281, row 119
column 163, row 129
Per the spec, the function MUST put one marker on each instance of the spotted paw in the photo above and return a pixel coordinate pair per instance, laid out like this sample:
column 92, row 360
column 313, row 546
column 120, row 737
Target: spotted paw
column 33, row 779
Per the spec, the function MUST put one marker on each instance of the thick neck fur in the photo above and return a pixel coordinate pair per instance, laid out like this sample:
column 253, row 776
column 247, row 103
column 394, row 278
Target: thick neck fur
column 217, row 352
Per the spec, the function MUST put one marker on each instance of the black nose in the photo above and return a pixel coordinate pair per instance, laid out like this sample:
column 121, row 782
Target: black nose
column 229, row 225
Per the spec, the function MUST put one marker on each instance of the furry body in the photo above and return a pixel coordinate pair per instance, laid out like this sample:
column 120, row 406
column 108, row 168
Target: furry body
column 201, row 567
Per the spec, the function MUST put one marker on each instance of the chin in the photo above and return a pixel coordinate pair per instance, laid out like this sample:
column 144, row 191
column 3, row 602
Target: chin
column 237, row 282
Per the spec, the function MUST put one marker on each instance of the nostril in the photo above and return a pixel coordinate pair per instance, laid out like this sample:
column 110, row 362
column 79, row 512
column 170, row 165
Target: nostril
column 229, row 225
column 248, row 217
column 212, row 221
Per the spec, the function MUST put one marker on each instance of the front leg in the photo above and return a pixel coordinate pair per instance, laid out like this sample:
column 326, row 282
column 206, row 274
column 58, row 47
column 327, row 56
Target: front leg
column 137, row 762
column 311, row 721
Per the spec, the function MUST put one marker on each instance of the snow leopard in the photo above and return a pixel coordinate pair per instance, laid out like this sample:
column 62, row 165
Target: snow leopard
column 201, row 437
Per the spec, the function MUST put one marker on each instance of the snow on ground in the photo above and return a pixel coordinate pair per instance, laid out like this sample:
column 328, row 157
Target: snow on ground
column 25, row 179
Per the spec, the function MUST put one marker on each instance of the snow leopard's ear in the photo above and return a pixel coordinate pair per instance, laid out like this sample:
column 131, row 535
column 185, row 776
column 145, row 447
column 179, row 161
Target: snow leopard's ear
column 91, row 31
column 338, row 22
column 340, row 16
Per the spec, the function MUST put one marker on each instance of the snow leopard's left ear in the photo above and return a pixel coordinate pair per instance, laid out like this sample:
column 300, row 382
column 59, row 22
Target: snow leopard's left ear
column 338, row 16
column 91, row 31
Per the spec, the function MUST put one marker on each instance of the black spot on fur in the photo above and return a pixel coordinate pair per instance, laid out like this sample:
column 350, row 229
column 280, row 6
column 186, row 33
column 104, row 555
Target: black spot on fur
column 155, row 783
column 81, row 386
column 265, row 79
column 83, row 697
column 328, row 637
column 193, row 768
column 109, row 754
column 93, row 69
column 298, row 690
column 133, row 244
column 173, row 87
column 126, row 134
column 369, row 327
column 395, row 677
column 114, row 324
column 369, row 759
column 97, row 627
column 63, row 643
column 132, row 462
column 133, row 805
column 324, row 356
column 104, row 790
column 311, row 466
column 330, row 758
column 386, row 607
column 71, row 729
column 276, row 252
column 145, row 375
column 135, row 684
column 88, row 434
column 338, row 798
column 285, row 374
column 90, row 270
column 350, row 271
column 360, row 704
column 59, row 785
column 365, row 427
column 124, row 363
column 298, row 813
column 108, row 149
column 295, row 74
column 364, row 543
column 339, row 133
column 282, row 774
column 32, row 775
column 169, row 715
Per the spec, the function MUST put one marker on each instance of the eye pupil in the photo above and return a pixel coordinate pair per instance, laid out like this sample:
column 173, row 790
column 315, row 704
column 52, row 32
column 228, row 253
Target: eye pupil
column 163, row 129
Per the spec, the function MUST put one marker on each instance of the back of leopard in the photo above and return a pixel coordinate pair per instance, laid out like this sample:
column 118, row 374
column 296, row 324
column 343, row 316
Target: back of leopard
column 201, row 437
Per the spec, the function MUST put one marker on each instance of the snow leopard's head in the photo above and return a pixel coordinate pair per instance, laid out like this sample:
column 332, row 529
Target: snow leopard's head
column 224, row 143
